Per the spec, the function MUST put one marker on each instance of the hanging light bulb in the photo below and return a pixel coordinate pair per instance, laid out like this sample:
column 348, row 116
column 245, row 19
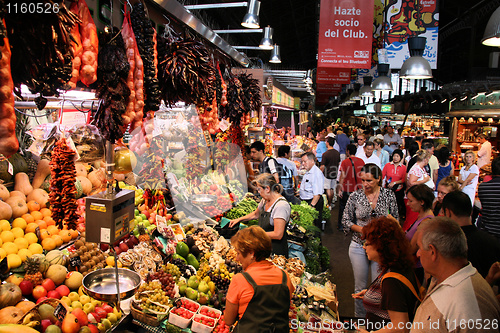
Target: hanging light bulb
column 491, row 35
column 267, row 41
column 366, row 90
column 383, row 82
column 275, row 55
column 416, row 66
column 251, row 19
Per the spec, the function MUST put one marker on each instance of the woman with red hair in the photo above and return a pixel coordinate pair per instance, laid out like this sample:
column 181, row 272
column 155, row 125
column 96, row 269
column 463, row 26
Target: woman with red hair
column 390, row 301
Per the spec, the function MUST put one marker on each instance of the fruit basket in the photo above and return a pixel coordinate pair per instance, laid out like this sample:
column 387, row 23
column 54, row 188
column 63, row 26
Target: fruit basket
column 33, row 317
column 146, row 318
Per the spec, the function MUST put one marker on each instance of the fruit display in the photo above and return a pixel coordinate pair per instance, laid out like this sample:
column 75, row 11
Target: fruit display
column 90, row 257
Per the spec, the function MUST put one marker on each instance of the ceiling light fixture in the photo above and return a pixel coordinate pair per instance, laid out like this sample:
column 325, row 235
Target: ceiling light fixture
column 355, row 96
column 308, row 78
column 267, row 41
column 463, row 98
column 275, row 55
column 491, row 35
column 251, row 19
column 416, row 66
column 383, row 82
column 366, row 90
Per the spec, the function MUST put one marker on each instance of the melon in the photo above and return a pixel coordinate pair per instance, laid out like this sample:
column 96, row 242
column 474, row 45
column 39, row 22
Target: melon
column 74, row 280
column 55, row 257
column 57, row 273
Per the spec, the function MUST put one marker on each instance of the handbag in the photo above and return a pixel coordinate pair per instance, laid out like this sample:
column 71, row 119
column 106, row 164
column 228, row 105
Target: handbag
column 402, row 278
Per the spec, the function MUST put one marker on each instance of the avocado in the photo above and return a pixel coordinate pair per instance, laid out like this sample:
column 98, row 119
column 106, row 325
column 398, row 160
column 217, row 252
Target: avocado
column 182, row 249
column 191, row 260
column 176, row 256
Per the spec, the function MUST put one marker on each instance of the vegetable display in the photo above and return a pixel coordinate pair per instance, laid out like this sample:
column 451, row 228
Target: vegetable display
column 303, row 214
column 90, row 45
column 146, row 43
column 244, row 207
column 112, row 88
column 8, row 140
column 62, row 195
column 42, row 50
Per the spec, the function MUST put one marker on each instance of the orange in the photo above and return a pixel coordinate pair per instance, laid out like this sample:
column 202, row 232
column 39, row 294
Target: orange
column 42, row 224
column 36, row 215
column 31, row 238
column 33, row 206
column 49, row 220
column 10, row 247
column 66, row 235
column 48, row 244
column 22, row 243
column 44, row 234
column 7, row 236
column 4, row 225
column 14, row 261
column 31, row 227
column 35, row 248
column 18, row 232
column 58, row 239
column 74, row 233
column 19, row 223
column 53, row 230
column 28, row 218
column 24, row 254
column 46, row 212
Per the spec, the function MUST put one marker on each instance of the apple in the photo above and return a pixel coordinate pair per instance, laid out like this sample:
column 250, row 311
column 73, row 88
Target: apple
column 81, row 316
column 93, row 318
column 130, row 243
column 70, row 324
column 88, row 308
column 104, row 247
column 84, row 329
column 123, row 247
column 48, row 284
column 117, row 250
column 39, row 291
column 144, row 215
column 117, row 313
column 66, row 300
column 95, row 302
column 106, row 323
column 112, row 318
column 101, row 312
column 73, row 296
column 26, row 287
column 107, row 308
column 54, row 294
column 93, row 328
column 84, row 299
column 146, row 223
column 45, row 323
column 63, row 290
column 136, row 212
column 76, row 304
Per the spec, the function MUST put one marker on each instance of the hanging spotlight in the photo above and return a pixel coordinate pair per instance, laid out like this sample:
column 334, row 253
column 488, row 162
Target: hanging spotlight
column 355, row 96
column 275, row 55
column 267, row 41
column 366, row 90
column 416, row 66
column 251, row 19
column 308, row 78
column 491, row 35
column 383, row 82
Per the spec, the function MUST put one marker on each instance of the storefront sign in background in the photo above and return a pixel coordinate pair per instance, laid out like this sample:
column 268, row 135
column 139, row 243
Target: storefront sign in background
column 345, row 33
column 327, row 75
column 403, row 21
column 325, row 91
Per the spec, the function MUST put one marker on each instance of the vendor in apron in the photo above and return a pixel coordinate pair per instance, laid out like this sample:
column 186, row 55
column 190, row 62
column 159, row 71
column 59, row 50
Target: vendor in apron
column 273, row 213
column 259, row 297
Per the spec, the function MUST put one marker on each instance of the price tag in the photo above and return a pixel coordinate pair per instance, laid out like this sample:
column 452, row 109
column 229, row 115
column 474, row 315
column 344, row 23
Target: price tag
column 224, row 125
column 75, row 261
column 160, row 219
column 60, row 312
column 4, row 266
column 10, row 169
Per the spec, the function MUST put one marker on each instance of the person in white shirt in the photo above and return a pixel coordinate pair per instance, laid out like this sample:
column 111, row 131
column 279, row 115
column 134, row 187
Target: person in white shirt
column 312, row 186
column 392, row 140
column 361, row 139
column 484, row 153
column 368, row 155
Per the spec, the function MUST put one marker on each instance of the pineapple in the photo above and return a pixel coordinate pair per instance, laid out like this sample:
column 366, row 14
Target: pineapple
column 143, row 234
column 33, row 274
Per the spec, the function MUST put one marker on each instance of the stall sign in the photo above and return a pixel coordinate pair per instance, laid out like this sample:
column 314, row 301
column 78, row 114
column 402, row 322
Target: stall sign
column 345, row 33
column 403, row 20
column 72, row 117
column 327, row 75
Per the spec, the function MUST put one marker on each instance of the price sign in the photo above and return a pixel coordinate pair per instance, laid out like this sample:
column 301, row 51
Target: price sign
column 60, row 312
column 75, row 261
column 4, row 267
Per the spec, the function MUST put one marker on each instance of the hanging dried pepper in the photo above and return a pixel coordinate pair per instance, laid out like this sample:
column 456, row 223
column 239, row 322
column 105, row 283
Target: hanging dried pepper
column 62, row 195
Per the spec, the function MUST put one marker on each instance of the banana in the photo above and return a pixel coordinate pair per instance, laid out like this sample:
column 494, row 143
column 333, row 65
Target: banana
column 31, row 317
column 33, row 324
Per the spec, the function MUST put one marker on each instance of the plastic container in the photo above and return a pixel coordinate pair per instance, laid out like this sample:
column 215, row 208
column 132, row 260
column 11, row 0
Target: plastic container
column 217, row 312
column 198, row 327
column 185, row 299
column 180, row 321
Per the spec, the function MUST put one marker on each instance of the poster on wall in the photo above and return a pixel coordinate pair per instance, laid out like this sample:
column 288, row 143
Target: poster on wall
column 410, row 18
column 327, row 75
column 345, row 33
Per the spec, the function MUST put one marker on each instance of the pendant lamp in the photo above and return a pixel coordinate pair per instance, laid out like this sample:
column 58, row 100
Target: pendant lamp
column 366, row 90
column 383, row 82
column 491, row 35
column 267, row 41
column 355, row 96
column 251, row 19
column 275, row 55
column 416, row 66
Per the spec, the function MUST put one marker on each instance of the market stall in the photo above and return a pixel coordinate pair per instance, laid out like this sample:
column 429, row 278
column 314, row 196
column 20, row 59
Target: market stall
column 115, row 209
